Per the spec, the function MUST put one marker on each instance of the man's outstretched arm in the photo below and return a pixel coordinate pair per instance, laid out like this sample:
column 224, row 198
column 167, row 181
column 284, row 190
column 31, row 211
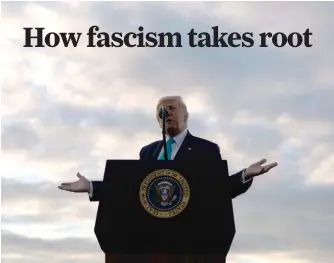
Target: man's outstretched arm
column 95, row 190
column 82, row 185
column 239, row 183
column 95, row 187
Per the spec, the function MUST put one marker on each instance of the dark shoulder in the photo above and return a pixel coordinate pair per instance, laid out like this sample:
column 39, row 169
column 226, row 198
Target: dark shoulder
column 208, row 149
column 150, row 145
column 203, row 142
column 145, row 149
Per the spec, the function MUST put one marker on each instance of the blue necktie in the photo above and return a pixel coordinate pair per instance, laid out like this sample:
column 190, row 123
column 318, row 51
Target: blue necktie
column 169, row 149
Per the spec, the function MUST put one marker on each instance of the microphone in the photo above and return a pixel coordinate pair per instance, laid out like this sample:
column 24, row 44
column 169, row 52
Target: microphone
column 163, row 113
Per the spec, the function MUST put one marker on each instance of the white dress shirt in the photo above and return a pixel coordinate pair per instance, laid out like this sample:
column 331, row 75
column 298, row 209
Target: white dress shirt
column 175, row 147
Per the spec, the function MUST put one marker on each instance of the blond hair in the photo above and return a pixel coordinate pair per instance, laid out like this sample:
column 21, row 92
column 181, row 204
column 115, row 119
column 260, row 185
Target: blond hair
column 173, row 98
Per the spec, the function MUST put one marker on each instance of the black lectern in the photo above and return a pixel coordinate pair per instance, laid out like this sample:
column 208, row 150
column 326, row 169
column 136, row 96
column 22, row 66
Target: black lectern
column 165, row 211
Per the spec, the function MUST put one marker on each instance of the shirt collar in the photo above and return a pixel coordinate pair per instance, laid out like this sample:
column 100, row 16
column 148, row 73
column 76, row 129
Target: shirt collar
column 180, row 137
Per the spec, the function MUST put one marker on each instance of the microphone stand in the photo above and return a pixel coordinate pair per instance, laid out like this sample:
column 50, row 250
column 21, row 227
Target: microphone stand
column 164, row 117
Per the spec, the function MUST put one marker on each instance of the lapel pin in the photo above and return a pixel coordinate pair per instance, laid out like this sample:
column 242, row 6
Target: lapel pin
column 189, row 149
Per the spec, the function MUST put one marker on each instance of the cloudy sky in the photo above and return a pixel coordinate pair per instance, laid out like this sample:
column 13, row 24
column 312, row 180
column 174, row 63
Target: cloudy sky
column 69, row 109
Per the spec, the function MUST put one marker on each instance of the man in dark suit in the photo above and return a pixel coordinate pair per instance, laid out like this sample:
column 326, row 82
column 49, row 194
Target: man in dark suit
column 181, row 145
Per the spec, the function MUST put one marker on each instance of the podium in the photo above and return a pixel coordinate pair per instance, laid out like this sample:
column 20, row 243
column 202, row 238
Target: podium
column 165, row 212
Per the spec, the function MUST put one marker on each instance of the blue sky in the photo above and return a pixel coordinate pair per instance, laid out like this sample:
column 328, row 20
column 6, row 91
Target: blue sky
column 69, row 109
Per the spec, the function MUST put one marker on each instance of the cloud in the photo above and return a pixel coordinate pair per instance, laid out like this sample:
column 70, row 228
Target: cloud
column 63, row 250
column 289, row 216
column 39, row 201
column 69, row 109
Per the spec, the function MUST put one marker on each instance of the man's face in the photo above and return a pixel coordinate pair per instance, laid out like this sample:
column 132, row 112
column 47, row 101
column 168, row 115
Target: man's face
column 176, row 121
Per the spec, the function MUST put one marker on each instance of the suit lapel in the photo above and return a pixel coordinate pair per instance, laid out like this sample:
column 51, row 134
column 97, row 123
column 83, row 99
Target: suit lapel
column 185, row 149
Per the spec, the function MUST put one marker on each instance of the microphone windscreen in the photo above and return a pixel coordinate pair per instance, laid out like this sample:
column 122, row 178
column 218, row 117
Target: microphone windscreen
column 162, row 111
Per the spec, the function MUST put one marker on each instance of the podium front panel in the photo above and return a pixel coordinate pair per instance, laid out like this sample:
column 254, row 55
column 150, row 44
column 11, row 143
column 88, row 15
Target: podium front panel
column 202, row 219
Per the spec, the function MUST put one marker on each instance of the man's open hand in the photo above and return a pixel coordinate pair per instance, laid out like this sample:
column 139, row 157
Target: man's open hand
column 80, row 186
column 258, row 168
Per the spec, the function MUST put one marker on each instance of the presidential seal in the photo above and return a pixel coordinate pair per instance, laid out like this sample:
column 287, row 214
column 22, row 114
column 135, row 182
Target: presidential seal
column 164, row 193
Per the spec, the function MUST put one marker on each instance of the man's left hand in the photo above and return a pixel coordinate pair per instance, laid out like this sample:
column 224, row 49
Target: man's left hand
column 258, row 168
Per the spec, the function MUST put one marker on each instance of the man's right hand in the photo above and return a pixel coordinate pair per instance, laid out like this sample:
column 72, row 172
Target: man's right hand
column 80, row 186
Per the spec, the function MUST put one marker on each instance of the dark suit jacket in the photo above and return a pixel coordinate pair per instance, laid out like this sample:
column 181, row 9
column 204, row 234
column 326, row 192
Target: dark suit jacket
column 200, row 149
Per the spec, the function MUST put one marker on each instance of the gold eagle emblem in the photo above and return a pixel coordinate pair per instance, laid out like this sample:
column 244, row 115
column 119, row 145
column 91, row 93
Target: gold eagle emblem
column 165, row 193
